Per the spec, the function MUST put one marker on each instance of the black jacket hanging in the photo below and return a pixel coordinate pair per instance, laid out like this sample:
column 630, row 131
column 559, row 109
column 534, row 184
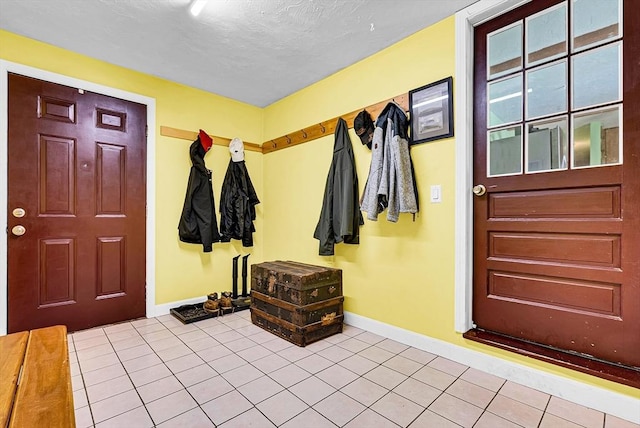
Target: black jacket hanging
column 198, row 223
column 340, row 217
column 238, row 202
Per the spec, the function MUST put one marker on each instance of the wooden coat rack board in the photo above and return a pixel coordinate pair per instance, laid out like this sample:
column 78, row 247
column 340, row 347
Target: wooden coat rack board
column 301, row 136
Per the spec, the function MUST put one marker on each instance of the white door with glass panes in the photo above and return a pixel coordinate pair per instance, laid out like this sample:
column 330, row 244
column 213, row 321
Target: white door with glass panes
column 556, row 169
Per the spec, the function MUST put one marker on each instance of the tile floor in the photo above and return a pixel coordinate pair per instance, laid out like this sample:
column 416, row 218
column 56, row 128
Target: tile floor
column 226, row 372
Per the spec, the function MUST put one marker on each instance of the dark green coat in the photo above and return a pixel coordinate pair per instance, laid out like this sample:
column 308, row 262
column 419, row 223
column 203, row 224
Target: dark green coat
column 340, row 217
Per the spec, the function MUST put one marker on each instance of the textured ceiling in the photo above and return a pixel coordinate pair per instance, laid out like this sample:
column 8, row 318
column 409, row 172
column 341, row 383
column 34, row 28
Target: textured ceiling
column 254, row 51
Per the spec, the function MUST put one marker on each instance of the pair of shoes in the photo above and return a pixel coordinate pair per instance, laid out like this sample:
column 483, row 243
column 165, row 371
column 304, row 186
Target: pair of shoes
column 225, row 300
column 212, row 303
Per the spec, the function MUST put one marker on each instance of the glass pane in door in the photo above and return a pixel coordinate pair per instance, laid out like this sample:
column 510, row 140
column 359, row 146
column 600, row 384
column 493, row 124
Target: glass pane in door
column 596, row 76
column 547, row 145
column 596, row 138
column 504, row 51
column 504, row 156
column 547, row 90
column 595, row 21
column 546, row 34
column 505, row 101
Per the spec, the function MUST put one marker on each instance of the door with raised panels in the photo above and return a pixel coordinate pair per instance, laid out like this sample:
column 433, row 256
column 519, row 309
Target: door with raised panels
column 557, row 175
column 76, row 207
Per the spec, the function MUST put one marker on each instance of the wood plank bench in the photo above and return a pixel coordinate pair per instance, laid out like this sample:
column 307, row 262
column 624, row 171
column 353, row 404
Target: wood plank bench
column 35, row 380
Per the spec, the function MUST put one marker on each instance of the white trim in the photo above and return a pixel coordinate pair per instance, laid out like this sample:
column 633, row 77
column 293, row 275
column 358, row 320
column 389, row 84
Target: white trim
column 466, row 19
column 164, row 309
column 613, row 403
column 7, row 67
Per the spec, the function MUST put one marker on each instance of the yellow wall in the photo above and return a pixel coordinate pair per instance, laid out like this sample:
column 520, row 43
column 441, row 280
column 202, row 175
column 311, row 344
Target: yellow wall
column 401, row 273
column 182, row 270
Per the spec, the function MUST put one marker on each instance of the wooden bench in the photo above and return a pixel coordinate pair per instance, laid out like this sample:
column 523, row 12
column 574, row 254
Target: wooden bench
column 35, row 380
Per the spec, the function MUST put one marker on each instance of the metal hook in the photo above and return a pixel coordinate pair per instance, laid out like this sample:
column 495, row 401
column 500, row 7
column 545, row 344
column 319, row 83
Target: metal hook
column 304, row 134
column 322, row 127
column 288, row 139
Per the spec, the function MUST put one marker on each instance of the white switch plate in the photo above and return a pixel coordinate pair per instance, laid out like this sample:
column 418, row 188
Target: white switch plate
column 436, row 194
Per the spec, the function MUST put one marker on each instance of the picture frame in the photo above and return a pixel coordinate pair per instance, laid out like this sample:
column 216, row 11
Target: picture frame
column 431, row 111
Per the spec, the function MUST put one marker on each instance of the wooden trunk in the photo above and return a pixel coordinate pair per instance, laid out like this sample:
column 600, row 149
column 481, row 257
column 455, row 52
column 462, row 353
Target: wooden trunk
column 298, row 302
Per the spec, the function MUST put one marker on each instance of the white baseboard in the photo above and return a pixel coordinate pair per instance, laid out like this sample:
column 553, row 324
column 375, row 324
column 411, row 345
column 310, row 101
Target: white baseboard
column 613, row 403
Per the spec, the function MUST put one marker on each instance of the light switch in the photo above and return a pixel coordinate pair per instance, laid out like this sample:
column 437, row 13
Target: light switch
column 436, row 193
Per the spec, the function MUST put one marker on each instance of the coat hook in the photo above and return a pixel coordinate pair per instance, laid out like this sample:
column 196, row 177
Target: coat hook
column 304, row 134
column 322, row 127
column 288, row 139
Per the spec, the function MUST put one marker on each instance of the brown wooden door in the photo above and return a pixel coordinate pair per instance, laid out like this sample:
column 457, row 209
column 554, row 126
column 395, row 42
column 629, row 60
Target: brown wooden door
column 77, row 169
column 557, row 253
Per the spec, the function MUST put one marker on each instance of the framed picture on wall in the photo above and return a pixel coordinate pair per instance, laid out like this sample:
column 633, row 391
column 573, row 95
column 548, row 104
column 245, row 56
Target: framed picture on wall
column 431, row 111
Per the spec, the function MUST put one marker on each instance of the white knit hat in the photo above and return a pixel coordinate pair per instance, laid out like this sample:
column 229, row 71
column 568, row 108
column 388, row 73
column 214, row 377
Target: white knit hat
column 236, row 147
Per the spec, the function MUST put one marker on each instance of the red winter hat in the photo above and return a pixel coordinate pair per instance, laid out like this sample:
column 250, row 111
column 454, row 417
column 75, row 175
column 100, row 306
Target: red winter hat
column 205, row 140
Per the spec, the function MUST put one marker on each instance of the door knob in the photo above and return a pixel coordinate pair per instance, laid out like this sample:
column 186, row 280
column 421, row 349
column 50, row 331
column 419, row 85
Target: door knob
column 19, row 212
column 479, row 190
column 18, row 230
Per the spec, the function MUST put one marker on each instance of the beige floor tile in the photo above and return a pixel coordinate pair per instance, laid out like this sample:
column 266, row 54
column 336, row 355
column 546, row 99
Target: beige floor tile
column 364, row 391
column 99, row 362
column 241, row 375
column 515, row 411
column 123, row 335
column 392, row 346
column 171, row 406
column 134, row 352
column 137, row 417
column 104, row 374
column 335, row 353
column 339, row 408
column 309, row 418
column 314, row 363
column 319, row 345
column 210, row 389
column 289, row 375
column 551, row 421
column 193, row 418
column 260, row 389
column 228, row 336
column 128, row 343
column 274, row 345
column 282, row 407
column 375, row 354
column 148, row 375
column 428, row 419
column 397, row 409
column 385, row 377
column 109, row 388
column 83, row 417
column 94, row 351
column 312, row 390
column 614, row 422
column 471, row 393
column 80, row 399
column 418, row 392
column 354, row 345
column 185, row 362
column 350, row 330
column 213, row 353
column 81, row 338
column 203, row 344
column 357, row 364
column 524, row 394
column 193, row 336
column 114, row 406
column 226, row 407
column 294, row 353
column 403, row 365
column 240, row 344
column 456, row 410
column 370, row 338
column 574, row 412
column 158, row 389
column 174, row 352
column 77, row 382
column 196, row 375
column 254, row 353
column 270, row 363
column 369, row 419
column 141, row 363
column 418, row 355
column 489, row 420
column 448, row 366
column 250, row 418
column 483, row 379
column 436, row 378
column 337, row 376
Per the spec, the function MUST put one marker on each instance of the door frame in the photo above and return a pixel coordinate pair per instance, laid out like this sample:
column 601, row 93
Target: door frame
column 7, row 67
column 466, row 20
